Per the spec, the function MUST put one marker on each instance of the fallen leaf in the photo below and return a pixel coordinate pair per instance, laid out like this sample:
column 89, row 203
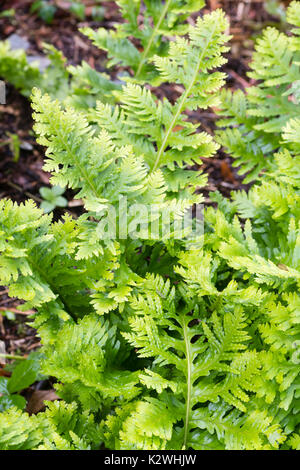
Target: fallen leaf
column 226, row 172
column 37, row 399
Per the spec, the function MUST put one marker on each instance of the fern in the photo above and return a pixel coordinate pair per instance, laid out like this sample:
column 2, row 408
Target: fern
column 59, row 428
column 191, row 362
column 155, row 343
column 141, row 139
column 103, row 382
column 16, row 69
column 254, row 122
column 168, row 19
column 158, row 130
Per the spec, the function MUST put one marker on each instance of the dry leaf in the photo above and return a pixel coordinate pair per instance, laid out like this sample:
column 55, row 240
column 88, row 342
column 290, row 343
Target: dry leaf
column 37, row 399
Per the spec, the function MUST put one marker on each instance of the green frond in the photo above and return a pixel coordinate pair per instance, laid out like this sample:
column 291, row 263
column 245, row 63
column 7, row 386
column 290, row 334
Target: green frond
column 15, row 68
column 169, row 19
column 172, row 339
column 294, row 441
column 85, row 354
column 60, row 427
column 253, row 121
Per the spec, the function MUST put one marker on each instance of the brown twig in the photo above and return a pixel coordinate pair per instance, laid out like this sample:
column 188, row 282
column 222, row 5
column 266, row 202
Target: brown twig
column 15, row 310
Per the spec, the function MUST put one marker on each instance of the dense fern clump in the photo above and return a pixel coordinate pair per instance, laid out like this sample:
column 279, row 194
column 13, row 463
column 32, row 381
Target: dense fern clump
column 156, row 342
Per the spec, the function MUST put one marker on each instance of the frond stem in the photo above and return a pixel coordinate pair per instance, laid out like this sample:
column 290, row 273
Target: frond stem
column 189, row 383
column 154, row 32
column 12, row 356
column 181, row 104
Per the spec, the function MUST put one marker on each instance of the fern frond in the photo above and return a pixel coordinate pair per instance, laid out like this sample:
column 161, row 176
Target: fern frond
column 254, row 122
column 216, row 349
column 78, row 356
column 168, row 19
column 61, row 427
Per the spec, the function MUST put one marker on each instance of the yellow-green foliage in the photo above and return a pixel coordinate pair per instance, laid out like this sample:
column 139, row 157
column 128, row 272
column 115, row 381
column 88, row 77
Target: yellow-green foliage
column 156, row 345
column 254, row 121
